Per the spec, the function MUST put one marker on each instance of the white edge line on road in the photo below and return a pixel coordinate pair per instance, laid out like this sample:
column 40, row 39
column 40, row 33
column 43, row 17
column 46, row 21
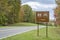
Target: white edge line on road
column 18, row 33
column 15, row 34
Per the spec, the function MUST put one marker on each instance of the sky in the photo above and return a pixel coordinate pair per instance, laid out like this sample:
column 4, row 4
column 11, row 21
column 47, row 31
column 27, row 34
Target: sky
column 42, row 5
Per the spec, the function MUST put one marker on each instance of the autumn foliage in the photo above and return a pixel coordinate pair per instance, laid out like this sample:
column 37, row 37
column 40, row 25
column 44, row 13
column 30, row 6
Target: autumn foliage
column 57, row 15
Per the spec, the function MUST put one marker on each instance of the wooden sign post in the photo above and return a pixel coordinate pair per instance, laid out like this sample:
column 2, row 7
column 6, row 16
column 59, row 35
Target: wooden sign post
column 42, row 16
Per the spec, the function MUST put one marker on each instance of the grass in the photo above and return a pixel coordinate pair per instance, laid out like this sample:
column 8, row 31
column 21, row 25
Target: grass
column 3, row 26
column 20, row 24
column 23, row 24
column 53, row 34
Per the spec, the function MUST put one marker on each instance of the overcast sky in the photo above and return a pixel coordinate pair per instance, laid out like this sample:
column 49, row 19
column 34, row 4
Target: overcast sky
column 41, row 5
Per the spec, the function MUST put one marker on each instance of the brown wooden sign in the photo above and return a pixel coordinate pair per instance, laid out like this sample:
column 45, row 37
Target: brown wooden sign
column 42, row 16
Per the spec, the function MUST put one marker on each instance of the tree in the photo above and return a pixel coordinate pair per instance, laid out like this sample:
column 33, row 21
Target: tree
column 9, row 11
column 27, row 13
column 21, row 14
column 15, row 8
column 57, row 15
column 33, row 17
column 3, row 11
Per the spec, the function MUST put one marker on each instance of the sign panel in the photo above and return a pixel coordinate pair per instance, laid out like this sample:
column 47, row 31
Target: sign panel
column 42, row 16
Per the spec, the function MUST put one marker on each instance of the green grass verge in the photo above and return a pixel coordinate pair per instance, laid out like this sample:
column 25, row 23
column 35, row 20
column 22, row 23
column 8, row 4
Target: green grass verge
column 20, row 24
column 3, row 26
column 53, row 34
column 23, row 24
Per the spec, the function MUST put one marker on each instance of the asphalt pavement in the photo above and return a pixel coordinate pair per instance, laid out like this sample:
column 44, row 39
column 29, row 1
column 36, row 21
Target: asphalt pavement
column 11, row 31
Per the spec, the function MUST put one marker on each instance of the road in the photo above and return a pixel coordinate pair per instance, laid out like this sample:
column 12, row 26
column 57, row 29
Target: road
column 11, row 31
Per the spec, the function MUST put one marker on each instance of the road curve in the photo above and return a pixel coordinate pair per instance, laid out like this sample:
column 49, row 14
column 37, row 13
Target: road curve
column 11, row 31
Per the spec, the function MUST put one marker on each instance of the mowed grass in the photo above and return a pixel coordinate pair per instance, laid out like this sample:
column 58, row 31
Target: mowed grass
column 23, row 24
column 53, row 34
column 20, row 24
column 3, row 26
